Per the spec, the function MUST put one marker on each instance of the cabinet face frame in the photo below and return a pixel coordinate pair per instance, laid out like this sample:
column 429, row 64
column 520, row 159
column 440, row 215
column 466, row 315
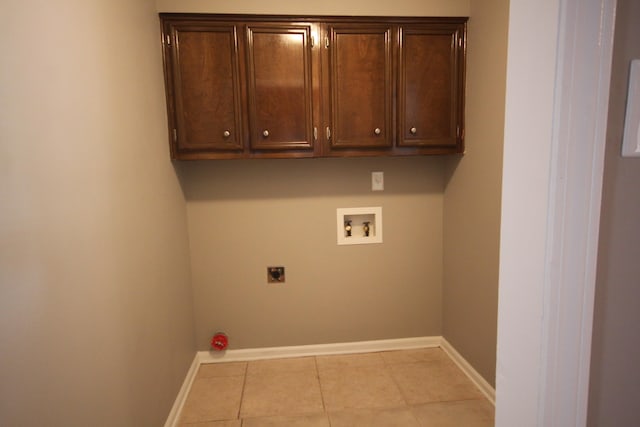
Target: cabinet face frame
column 272, row 110
column 185, row 140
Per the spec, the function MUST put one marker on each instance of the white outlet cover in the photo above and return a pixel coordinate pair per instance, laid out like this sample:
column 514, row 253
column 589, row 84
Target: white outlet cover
column 631, row 139
column 377, row 181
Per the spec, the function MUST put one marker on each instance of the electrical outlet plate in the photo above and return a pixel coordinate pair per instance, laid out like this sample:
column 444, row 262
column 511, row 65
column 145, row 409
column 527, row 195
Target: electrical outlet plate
column 275, row 274
column 377, row 181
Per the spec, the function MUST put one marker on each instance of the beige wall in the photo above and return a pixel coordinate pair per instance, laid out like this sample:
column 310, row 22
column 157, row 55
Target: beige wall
column 95, row 304
column 247, row 215
column 326, row 7
column 472, row 196
column 614, row 391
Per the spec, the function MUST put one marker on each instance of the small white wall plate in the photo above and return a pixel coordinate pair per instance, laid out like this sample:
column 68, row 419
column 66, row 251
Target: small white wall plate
column 631, row 139
column 377, row 181
column 358, row 216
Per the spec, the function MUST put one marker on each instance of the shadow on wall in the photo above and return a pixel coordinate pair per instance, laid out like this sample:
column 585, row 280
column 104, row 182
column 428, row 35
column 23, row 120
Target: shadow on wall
column 299, row 178
column 450, row 166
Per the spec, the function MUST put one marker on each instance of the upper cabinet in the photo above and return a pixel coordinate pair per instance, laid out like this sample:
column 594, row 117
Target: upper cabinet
column 204, row 89
column 280, row 81
column 431, row 86
column 243, row 86
column 240, row 89
column 360, row 70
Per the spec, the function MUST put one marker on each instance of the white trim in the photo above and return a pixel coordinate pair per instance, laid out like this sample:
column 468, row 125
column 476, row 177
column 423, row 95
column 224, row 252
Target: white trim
column 486, row 389
column 531, row 71
column 174, row 415
column 558, row 68
column 631, row 135
column 585, row 46
column 317, row 350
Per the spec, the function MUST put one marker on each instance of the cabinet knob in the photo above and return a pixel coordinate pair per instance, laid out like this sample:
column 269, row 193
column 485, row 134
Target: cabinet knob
column 377, row 131
column 265, row 133
column 226, row 134
column 413, row 131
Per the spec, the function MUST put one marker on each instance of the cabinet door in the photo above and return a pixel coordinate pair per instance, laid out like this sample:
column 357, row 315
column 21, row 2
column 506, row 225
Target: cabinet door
column 206, row 89
column 431, row 85
column 361, row 86
column 280, row 92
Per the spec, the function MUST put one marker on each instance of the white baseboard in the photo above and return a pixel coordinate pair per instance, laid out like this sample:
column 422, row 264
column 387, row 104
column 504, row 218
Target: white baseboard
column 174, row 415
column 478, row 380
column 317, row 350
column 244, row 355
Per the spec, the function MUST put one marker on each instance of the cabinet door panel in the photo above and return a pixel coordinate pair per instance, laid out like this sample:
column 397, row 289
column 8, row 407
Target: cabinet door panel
column 280, row 86
column 207, row 88
column 361, row 86
column 430, row 110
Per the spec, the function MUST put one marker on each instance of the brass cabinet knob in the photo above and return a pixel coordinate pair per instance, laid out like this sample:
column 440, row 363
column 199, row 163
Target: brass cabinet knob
column 265, row 133
column 413, row 131
column 377, row 131
column 226, row 134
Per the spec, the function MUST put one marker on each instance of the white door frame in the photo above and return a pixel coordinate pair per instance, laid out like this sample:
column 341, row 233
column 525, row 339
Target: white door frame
column 558, row 73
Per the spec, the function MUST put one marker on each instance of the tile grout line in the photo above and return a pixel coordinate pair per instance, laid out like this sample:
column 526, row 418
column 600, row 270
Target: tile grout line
column 388, row 369
column 410, row 407
column 244, row 386
column 315, row 363
column 324, row 406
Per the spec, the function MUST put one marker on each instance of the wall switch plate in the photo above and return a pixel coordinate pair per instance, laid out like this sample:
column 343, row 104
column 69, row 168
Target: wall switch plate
column 631, row 139
column 377, row 181
column 275, row 274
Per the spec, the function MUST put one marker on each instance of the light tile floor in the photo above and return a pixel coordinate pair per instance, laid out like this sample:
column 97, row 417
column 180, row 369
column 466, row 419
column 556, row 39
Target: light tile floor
column 408, row 388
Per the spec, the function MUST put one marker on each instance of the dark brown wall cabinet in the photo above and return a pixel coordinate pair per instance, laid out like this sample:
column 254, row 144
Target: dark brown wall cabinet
column 279, row 86
column 360, row 70
column 242, row 86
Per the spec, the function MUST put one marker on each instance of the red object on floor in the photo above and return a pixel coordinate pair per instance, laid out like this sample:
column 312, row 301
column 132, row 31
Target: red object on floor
column 220, row 341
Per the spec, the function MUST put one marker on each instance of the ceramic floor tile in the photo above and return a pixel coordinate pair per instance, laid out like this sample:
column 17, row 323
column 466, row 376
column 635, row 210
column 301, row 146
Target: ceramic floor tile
column 467, row 413
column 317, row 420
column 213, row 399
column 292, row 393
column 209, row 370
column 433, row 382
column 414, row 356
column 371, row 389
column 396, row 417
column 352, row 388
column 276, row 366
column 349, row 361
column 228, row 423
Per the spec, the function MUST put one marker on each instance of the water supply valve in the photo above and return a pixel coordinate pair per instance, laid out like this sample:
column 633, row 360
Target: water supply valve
column 365, row 228
column 347, row 228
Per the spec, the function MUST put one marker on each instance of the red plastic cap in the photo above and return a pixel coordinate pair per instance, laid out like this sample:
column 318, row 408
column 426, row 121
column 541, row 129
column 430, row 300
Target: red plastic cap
column 220, row 341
